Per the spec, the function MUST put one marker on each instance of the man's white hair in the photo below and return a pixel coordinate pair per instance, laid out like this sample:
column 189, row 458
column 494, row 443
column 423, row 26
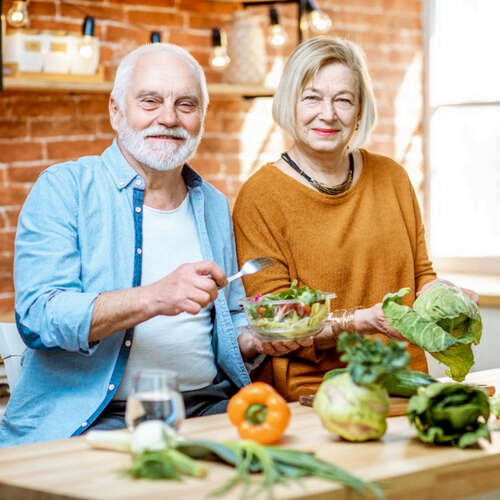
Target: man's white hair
column 126, row 67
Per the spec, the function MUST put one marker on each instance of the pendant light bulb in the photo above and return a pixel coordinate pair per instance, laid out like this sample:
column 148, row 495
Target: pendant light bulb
column 319, row 21
column 86, row 49
column 219, row 58
column 278, row 35
column 17, row 16
column 88, row 31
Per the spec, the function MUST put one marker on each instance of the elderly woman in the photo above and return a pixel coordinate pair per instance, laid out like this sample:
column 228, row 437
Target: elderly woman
column 336, row 217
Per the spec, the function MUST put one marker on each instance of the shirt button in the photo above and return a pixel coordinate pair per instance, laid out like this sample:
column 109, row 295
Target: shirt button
column 138, row 182
column 111, row 387
column 84, row 424
column 121, row 184
column 128, row 343
column 138, row 210
column 139, row 251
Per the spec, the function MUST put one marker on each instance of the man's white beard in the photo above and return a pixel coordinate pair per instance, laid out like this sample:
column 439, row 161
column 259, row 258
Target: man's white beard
column 158, row 154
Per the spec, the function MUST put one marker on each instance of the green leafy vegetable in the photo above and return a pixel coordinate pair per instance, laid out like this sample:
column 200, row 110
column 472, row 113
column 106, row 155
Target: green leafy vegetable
column 291, row 313
column 354, row 412
column 354, row 403
column 164, row 464
column 444, row 321
column 405, row 383
column 450, row 414
column 368, row 361
column 303, row 294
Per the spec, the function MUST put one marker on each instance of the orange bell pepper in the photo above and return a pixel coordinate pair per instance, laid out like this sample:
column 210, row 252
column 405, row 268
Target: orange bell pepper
column 259, row 413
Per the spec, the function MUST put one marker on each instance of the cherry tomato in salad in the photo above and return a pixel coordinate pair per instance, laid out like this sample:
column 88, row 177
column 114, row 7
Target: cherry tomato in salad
column 261, row 310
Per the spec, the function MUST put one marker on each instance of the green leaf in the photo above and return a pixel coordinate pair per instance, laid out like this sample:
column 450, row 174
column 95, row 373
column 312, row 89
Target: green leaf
column 471, row 438
column 459, row 358
column 368, row 360
column 153, row 465
column 208, row 450
column 444, row 321
column 450, row 413
column 418, row 330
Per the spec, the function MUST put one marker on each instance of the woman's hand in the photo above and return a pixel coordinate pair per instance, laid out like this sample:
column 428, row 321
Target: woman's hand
column 250, row 346
column 373, row 320
column 471, row 293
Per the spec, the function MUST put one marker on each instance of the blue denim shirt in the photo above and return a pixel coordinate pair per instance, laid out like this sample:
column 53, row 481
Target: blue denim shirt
column 80, row 234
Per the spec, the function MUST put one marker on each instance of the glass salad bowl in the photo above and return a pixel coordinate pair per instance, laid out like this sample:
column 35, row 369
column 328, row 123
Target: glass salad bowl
column 295, row 313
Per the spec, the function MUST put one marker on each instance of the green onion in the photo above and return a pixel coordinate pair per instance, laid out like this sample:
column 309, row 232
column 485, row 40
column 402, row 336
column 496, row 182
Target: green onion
column 277, row 465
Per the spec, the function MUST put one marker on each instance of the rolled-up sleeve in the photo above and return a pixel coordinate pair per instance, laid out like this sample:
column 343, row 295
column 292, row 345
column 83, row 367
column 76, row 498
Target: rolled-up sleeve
column 235, row 290
column 52, row 309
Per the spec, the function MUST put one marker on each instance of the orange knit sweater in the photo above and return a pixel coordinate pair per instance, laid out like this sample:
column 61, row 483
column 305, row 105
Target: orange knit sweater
column 360, row 244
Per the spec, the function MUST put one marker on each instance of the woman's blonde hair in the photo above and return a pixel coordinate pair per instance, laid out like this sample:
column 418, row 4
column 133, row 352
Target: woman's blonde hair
column 304, row 64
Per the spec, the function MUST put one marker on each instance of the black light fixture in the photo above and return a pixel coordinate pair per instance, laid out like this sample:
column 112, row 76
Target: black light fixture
column 309, row 15
column 278, row 34
column 17, row 16
column 155, row 37
column 219, row 58
column 88, row 26
column 88, row 31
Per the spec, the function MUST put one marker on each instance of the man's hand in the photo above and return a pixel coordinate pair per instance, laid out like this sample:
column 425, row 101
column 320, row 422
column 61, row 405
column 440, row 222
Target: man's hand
column 189, row 288
column 373, row 320
column 250, row 346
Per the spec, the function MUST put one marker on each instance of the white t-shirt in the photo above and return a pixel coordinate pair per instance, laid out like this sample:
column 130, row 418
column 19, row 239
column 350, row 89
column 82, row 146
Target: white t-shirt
column 180, row 343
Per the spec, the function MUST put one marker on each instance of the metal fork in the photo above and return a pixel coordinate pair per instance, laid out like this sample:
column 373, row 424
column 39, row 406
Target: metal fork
column 252, row 266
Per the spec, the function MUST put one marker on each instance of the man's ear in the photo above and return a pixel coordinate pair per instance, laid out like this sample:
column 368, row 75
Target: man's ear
column 114, row 113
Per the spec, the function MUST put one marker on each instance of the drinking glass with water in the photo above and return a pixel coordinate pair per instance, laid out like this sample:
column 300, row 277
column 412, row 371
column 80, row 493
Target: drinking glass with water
column 154, row 395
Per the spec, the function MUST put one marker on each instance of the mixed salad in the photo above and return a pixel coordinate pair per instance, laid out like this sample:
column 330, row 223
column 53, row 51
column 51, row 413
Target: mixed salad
column 292, row 313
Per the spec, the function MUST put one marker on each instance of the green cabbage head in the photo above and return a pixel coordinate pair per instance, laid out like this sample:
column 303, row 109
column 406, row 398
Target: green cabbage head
column 444, row 321
column 450, row 414
column 352, row 411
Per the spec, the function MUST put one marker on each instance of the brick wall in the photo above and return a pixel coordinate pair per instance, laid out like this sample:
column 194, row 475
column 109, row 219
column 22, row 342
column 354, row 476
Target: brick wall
column 39, row 129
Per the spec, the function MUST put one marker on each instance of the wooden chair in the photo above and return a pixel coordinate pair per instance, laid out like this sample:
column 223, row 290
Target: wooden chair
column 11, row 349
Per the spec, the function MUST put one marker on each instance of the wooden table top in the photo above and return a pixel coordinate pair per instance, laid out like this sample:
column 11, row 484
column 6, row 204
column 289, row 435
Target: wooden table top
column 70, row 469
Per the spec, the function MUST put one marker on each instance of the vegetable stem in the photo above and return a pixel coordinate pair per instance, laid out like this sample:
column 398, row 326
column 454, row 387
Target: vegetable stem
column 185, row 464
column 256, row 413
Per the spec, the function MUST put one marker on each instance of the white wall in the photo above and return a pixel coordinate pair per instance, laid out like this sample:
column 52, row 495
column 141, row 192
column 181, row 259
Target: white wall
column 487, row 353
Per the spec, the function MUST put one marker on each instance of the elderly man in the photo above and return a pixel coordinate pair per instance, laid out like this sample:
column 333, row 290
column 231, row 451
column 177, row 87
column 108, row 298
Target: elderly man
column 119, row 262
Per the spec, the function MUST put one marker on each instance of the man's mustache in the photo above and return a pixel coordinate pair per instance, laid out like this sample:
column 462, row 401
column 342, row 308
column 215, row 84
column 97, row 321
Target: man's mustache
column 177, row 132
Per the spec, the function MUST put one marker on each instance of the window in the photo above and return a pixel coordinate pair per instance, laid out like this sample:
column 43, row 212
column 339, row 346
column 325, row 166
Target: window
column 463, row 134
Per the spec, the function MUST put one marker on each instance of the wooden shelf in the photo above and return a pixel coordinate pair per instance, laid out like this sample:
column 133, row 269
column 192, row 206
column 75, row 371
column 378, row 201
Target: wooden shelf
column 215, row 89
column 29, row 84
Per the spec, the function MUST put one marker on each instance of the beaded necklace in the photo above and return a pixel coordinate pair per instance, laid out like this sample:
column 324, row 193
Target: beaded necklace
column 320, row 186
